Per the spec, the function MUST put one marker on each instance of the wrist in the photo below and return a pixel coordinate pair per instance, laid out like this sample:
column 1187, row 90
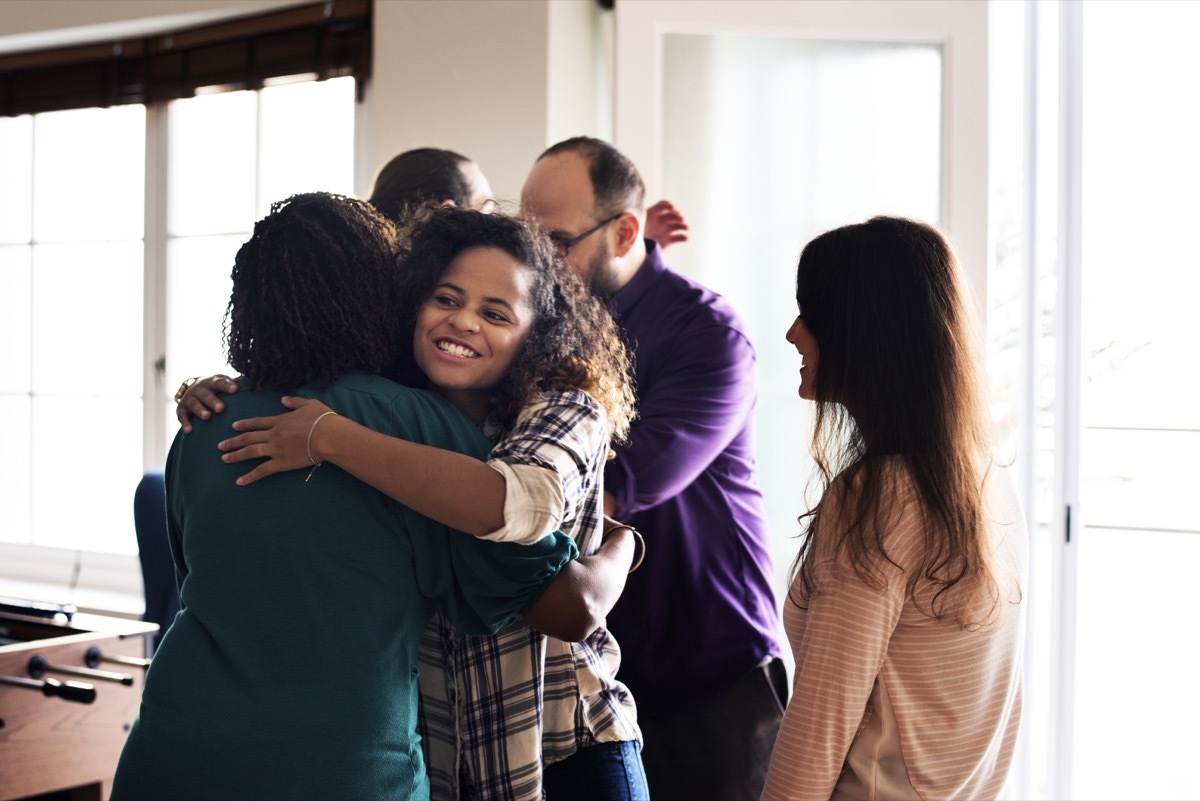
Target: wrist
column 634, row 537
column 321, row 437
column 184, row 387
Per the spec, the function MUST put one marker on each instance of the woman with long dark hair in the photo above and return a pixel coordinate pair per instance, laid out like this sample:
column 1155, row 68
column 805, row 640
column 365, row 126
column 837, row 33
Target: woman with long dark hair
column 905, row 611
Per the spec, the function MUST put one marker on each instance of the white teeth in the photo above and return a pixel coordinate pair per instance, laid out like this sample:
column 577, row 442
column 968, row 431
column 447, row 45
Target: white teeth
column 456, row 350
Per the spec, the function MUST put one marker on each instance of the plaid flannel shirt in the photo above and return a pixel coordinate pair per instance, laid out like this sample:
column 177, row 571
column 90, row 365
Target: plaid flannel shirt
column 495, row 709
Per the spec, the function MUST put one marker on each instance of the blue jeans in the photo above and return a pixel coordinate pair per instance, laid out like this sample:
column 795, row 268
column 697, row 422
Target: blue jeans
column 603, row 772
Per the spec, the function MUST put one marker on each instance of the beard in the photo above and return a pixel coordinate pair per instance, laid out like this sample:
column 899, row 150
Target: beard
column 600, row 274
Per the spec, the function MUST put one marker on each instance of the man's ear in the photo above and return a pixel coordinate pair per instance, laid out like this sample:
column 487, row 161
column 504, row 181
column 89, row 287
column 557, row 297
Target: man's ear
column 629, row 232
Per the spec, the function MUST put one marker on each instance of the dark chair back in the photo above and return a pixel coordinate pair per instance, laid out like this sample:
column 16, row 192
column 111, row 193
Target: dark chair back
column 154, row 551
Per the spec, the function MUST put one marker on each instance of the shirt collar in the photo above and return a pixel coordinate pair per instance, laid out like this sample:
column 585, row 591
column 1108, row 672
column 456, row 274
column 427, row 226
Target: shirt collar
column 627, row 296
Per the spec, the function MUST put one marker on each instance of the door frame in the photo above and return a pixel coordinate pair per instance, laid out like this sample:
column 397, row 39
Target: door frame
column 959, row 26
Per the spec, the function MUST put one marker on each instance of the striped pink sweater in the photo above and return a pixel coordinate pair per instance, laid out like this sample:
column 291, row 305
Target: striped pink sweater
column 887, row 702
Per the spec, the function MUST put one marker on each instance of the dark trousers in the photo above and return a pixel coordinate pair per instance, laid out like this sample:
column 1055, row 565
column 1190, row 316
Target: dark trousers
column 602, row 772
column 719, row 751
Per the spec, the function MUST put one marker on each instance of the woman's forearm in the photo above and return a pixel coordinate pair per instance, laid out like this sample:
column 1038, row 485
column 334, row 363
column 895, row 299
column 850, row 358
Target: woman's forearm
column 585, row 591
column 451, row 488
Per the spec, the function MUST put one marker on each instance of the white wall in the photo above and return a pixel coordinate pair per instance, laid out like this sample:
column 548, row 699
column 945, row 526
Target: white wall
column 473, row 76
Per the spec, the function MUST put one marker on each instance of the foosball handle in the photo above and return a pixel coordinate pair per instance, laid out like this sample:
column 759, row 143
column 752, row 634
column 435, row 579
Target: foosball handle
column 75, row 691
column 69, row 690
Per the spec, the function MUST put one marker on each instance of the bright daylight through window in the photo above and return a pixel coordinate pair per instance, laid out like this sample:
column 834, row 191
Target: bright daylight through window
column 73, row 230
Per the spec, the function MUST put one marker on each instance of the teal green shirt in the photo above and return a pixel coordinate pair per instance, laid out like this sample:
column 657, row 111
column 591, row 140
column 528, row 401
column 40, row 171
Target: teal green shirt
column 291, row 670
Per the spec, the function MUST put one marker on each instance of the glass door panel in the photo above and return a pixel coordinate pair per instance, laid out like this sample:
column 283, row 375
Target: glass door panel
column 1137, row 604
column 767, row 141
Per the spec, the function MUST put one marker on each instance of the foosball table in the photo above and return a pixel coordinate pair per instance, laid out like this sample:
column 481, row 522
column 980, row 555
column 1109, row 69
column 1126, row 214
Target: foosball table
column 70, row 686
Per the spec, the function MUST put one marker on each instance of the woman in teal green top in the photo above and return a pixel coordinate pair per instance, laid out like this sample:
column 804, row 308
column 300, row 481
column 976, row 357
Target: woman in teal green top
column 291, row 670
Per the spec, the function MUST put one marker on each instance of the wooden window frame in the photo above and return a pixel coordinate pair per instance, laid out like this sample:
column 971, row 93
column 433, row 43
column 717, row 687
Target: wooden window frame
column 328, row 39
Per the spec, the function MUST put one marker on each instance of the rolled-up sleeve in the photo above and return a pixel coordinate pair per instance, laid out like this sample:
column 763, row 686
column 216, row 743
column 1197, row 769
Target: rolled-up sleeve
column 533, row 502
column 546, row 460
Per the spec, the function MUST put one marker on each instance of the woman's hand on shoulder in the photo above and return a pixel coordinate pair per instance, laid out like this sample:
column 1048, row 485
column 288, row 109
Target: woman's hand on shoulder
column 198, row 397
column 284, row 440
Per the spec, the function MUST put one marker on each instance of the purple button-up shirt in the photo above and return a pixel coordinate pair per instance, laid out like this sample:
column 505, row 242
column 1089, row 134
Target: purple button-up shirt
column 701, row 612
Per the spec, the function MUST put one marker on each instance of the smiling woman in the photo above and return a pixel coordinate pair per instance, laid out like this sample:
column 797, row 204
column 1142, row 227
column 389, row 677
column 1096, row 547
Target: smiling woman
column 223, row 690
column 472, row 326
column 519, row 345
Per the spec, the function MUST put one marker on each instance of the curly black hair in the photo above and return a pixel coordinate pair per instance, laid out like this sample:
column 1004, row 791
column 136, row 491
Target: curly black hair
column 573, row 343
column 314, row 294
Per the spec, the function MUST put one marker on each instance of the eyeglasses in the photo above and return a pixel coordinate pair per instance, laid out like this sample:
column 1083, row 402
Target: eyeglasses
column 563, row 246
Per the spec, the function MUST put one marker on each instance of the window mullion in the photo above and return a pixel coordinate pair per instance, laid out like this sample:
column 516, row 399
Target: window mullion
column 1068, row 518
column 154, row 328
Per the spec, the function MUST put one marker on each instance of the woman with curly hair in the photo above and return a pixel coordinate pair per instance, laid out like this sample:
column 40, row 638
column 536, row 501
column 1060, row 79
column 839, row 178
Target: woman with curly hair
column 905, row 613
column 290, row 671
column 522, row 348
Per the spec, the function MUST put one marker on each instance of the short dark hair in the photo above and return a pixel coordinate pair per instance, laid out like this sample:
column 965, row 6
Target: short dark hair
column 423, row 175
column 616, row 182
column 314, row 294
column 573, row 344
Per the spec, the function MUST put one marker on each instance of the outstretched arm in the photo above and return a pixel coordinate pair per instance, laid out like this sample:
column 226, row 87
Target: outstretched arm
column 434, row 482
column 431, row 481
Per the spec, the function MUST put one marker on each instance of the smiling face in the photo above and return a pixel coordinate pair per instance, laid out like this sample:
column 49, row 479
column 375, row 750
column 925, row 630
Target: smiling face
column 806, row 345
column 473, row 325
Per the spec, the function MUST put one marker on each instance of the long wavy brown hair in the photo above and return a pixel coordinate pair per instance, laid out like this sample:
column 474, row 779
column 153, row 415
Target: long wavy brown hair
column 897, row 384
column 573, row 343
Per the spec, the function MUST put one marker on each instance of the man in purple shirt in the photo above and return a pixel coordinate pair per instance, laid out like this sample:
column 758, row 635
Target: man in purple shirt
column 698, row 624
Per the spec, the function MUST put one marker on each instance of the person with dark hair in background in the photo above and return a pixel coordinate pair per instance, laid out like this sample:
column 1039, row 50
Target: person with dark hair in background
column 699, row 623
column 430, row 175
column 905, row 611
column 290, row 671
column 434, row 175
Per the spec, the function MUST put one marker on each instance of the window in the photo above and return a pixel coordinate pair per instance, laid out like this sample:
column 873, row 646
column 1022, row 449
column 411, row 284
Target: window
column 71, row 260
column 85, row 383
column 230, row 156
column 1094, row 327
column 1140, row 532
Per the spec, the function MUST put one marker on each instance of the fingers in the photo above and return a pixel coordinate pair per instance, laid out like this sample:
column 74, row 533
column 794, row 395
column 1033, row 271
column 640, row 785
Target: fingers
column 255, row 424
column 262, row 471
column 296, row 402
column 201, row 400
column 235, row 448
column 665, row 224
column 662, row 207
column 184, row 416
